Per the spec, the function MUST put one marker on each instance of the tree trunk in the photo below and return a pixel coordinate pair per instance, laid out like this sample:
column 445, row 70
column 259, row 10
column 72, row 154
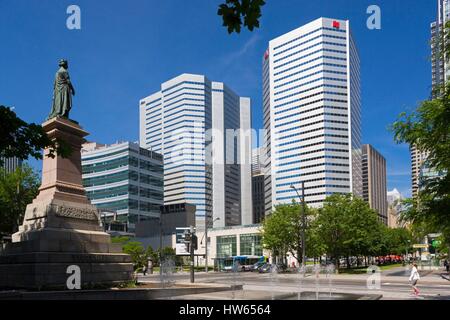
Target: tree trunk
column 336, row 264
column 348, row 261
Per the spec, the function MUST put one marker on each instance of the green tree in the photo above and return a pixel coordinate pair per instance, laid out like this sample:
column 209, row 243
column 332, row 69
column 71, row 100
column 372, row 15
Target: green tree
column 152, row 255
column 20, row 139
column 348, row 227
column 282, row 231
column 400, row 240
column 17, row 190
column 427, row 128
column 137, row 252
column 169, row 252
column 233, row 11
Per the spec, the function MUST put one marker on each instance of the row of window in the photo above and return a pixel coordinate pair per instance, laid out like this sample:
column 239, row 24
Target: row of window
column 311, row 159
column 307, row 48
column 151, row 102
column 311, row 117
column 166, row 116
column 122, row 176
column 310, row 89
column 310, row 82
column 301, row 37
column 124, row 190
column 314, row 151
column 324, row 121
column 199, row 124
column 185, row 82
column 317, row 186
column 307, row 69
column 312, row 138
column 311, row 166
column 298, row 106
column 309, row 61
column 314, row 95
column 308, row 111
column 250, row 245
column 308, row 55
column 166, row 107
column 167, row 100
column 306, row 195
column 311, row 180
column 314, row 172
column 130, row 204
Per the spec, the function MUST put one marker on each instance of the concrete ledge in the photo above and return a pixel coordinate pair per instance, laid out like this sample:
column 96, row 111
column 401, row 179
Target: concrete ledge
column 61, row 257
column 115, row 294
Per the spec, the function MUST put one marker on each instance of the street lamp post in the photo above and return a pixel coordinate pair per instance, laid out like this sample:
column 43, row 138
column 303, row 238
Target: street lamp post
column 302, row 198
column 406, row 249
column 206, row 240
column 160, row 247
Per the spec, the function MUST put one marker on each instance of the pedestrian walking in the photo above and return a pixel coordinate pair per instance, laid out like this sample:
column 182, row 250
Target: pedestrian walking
column 414, row 278
column 144, row 269
column 446, row 265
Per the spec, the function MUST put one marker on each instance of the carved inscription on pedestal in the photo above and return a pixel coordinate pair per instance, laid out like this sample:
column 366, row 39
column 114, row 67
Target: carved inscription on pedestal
column 74, row 213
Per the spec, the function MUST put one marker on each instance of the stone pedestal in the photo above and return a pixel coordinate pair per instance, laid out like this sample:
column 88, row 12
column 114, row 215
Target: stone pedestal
column 62, row 228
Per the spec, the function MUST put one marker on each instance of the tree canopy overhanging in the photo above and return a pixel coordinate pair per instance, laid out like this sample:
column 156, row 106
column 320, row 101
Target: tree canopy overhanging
column 234, row 11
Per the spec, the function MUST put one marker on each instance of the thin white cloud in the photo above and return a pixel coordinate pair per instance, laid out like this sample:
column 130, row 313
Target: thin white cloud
column 236, row 55
column 394, row 173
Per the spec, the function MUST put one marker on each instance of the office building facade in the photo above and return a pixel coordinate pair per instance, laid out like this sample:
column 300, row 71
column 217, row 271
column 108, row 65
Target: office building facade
column 192, row 121
column 440, row 74
column 374, row 181
column 258, row 160
column 258, row 181
column 258, row 194
column 312, row 113
column 10, row 164
column 123, row 181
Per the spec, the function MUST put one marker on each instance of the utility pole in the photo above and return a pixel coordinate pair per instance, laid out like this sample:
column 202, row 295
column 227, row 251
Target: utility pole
column 206, row 242
column 160, row 246
column 303, row 225
column 303, row 204
column 191, row 249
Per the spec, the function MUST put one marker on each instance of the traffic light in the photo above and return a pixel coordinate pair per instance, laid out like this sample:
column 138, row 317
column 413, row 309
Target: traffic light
column 194, row 241
column 431, row 248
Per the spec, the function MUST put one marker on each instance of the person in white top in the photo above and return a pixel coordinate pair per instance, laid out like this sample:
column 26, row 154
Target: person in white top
column 413, row 278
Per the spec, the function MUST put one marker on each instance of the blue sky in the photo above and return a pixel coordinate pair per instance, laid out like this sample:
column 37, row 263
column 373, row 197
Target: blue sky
column 125, row 49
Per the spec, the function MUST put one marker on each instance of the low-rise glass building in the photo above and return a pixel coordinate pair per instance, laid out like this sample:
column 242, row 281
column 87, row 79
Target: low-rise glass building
column 123, row 180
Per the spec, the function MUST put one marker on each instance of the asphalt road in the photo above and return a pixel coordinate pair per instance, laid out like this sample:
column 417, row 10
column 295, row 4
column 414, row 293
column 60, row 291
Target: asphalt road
column 392, row 284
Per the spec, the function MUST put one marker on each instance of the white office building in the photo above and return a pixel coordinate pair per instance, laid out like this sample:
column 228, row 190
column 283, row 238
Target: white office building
column 312, row 113
column 193, row 122
column 10, row 165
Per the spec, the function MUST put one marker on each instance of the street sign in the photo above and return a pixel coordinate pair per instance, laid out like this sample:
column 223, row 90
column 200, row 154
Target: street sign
column 420, row 246
column 436, row 243
column 180, row 246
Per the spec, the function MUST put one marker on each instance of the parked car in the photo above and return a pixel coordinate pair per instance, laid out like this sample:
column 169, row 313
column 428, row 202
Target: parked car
column 265, row 268
column 257, row 266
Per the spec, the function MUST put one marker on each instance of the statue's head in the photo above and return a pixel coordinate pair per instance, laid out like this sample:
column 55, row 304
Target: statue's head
column 63, row 63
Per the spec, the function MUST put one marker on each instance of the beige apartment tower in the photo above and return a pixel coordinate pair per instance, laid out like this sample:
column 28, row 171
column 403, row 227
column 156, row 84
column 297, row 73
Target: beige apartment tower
column 374, row 181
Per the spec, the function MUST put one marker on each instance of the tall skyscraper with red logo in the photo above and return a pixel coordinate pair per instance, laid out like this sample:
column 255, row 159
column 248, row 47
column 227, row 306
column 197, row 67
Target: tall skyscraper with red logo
column 312, row 113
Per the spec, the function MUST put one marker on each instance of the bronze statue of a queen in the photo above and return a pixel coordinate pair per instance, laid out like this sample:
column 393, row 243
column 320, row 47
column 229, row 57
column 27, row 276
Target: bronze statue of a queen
column 62, row 92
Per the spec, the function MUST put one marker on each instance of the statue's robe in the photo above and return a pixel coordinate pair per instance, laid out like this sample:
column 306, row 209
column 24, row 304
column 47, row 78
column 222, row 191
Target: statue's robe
column 62, row 94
